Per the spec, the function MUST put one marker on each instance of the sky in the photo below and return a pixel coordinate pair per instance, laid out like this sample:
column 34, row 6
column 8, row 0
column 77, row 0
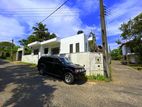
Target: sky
column 17, row 17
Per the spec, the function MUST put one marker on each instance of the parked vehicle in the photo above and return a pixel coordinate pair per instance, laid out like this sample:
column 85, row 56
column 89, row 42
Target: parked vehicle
column 61, row 67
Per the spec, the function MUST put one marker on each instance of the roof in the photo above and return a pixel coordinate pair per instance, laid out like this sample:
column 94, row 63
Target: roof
column 37, row 43
column 34, row 43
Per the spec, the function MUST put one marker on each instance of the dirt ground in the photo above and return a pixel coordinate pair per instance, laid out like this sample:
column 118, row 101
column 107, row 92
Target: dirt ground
column 21, row 86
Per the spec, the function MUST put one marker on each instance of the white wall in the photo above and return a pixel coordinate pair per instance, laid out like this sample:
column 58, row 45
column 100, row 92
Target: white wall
column 65, row 43
column 93, row 62
column 125, row 50
column 30, row 59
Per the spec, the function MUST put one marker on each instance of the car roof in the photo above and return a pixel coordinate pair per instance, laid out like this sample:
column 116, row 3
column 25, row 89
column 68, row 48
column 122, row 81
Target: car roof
column 52, row 56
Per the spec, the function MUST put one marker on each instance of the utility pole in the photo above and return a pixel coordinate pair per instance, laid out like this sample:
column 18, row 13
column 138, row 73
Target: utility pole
column 12, row 49
column 104, row 41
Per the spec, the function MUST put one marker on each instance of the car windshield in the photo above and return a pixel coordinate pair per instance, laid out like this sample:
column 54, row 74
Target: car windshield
column 66, row 61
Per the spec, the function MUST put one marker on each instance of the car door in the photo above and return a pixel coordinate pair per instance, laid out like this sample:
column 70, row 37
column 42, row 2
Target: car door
column 57, row 67
column 49, row 65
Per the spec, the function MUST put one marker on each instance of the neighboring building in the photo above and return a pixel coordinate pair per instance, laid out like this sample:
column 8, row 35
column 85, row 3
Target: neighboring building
column 128, row 56
column 74, row 47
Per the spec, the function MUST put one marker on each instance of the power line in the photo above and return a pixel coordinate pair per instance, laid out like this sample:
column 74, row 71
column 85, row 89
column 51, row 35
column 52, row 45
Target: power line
column 54, row 11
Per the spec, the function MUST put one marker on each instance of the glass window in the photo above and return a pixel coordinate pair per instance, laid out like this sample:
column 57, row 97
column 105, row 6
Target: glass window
column 55, row 50
column 56, row 60
column 49, row 59
column 65, row 60
column 71, row 48
column 45, row 50
column 77, row 47
column 36, row 51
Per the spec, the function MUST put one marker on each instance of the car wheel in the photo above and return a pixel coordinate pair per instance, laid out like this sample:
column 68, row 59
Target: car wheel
column 42, row 70
column 69, row 78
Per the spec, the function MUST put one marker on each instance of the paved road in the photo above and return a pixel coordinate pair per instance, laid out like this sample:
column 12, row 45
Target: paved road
column 21, row 86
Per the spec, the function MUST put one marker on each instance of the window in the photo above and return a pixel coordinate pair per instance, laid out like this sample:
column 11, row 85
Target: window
column 77, row 47
column 57, row 61
column 71, row 48
column 36, row 51
column 45, row 50
column 55, row 50
column 48, row 59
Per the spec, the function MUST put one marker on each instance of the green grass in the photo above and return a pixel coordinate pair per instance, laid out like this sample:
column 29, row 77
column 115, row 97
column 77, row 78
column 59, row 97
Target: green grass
column 136, row 66
column 96, row 77
column 30, row 64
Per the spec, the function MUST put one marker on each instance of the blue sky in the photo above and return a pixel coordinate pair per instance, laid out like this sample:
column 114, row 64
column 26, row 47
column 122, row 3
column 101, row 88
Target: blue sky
column 18, row 16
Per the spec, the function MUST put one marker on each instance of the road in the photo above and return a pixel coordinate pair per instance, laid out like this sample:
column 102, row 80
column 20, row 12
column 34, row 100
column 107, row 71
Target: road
column 21, row 86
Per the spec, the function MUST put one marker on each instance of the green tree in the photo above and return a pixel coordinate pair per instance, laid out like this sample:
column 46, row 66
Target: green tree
column 6, row 48
column 92, row 43
column 40, row 33
column 132, row 31
column 116, row 54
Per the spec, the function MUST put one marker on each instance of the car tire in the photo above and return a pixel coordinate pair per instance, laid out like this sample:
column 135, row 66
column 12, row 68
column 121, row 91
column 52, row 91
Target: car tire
column 42, row 70
column 69, row 78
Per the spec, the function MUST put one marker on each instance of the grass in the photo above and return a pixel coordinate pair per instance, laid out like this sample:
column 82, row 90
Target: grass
column 30, row 64
column 97, row 78
column 136, row 66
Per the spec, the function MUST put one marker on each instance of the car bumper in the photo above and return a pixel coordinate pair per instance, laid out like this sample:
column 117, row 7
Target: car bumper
column 80, row 75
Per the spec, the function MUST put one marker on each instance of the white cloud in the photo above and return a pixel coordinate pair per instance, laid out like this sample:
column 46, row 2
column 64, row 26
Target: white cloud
column 10, row 28
column 122, row 12
column 113, row 45
column 64, row 22
column 88, row 6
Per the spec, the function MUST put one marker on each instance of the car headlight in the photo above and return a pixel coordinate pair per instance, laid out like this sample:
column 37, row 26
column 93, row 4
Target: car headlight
column 77, row 70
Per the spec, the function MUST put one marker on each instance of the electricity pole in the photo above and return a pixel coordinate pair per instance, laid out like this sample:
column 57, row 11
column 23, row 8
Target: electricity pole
column 12, row 49
column 104, row 41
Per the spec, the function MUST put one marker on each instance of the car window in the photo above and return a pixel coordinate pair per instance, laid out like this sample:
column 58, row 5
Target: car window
column 48, row 59
column 56, row 60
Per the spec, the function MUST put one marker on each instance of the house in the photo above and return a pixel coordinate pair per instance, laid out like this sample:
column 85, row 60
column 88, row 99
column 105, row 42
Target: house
column 74, row 47
column 128, row 55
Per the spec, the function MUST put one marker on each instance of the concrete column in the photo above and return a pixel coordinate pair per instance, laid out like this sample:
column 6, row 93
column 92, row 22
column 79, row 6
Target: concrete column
column 17, row 55
column 49, row 51
column 41, row 51
column 23, row 51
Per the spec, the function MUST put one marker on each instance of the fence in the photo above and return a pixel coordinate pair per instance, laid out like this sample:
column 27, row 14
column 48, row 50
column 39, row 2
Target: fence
column 93, row 62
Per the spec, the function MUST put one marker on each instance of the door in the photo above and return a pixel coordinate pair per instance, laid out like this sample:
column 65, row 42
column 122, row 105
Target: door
column 49, row 64
column 19, row 55
column 57, row 67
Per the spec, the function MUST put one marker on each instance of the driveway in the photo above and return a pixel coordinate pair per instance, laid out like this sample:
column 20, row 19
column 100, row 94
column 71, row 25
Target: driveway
column 21, row 86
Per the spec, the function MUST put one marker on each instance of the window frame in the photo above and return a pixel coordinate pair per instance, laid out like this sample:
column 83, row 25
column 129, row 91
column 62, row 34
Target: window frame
column 71, row 48
column 35, row 51
column 77, row 47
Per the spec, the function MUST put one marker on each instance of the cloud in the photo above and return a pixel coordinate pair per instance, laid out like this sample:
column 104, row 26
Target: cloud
column 88, row 6
column 122, row 12
column 113, row 45
column 10, row 28
column 25, row 14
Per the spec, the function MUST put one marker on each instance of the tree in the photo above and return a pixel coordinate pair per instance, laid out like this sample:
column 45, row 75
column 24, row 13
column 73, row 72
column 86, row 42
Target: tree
column 40, row 33
column 80, row 31
column 116, row 54
column 132, row 32
column 6, row 48
column 92, row 43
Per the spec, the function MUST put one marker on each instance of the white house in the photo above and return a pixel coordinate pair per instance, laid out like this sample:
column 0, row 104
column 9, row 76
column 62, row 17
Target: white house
column 128, row 55
column 74, row 47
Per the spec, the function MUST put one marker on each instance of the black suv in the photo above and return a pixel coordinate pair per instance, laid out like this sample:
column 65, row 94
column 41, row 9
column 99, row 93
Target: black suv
column 61, row 67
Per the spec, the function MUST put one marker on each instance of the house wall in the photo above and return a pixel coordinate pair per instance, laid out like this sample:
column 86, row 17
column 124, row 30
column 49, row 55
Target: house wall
column 125, row 50
column 65, row 43
column 30, row 58
column 93, row 62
